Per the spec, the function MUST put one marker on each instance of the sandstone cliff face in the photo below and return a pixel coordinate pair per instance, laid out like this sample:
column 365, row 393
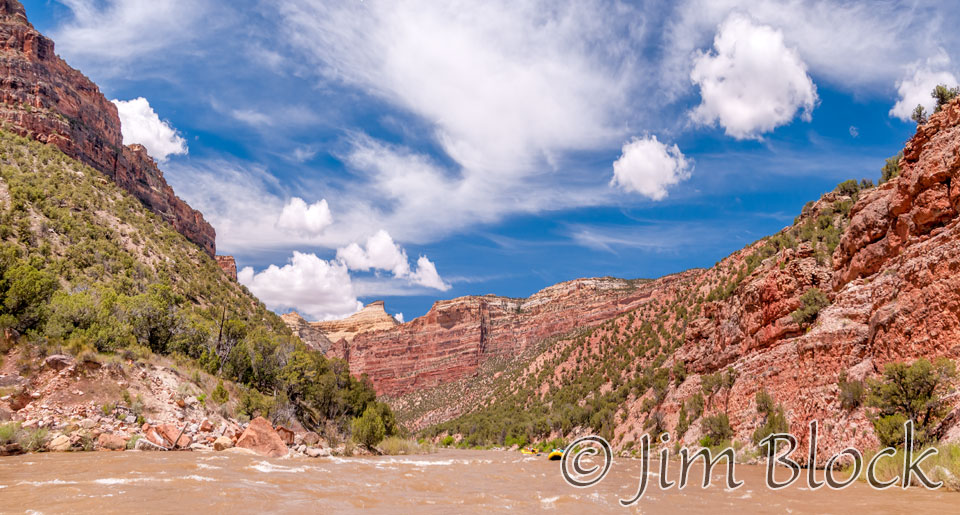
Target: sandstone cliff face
column 313, row 337
column 228, row 265
column 455, row 337
column 373, row 317
column 43, row 98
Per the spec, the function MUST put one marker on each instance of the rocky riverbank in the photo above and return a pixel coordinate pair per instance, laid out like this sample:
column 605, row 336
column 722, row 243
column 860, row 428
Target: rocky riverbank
column 96, row 403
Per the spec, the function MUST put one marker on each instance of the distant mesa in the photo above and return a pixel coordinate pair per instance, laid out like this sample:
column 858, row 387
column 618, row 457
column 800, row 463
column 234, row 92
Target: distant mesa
column 319, row 335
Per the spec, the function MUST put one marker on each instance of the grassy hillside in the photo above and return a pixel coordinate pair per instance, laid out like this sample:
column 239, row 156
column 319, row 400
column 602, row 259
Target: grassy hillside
column 86, row 269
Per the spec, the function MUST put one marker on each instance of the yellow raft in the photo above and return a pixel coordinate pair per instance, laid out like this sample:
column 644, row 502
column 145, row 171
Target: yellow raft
column 528, row 451
column 555, row 454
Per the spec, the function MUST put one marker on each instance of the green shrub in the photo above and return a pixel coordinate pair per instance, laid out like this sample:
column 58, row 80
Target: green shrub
column 774, row 420
column 254, row 404
column 851, row 392
column 9, row 432
column 943, row 95
column 695, row 407
column 848, row 187
column 220, row 394
column 812, row 301
column 717, row 427
column 369, row 429
column 396, row 446
column 33, row 440
column 891, row 168
column 919, row 115
column 910, row 392
column 683, row 423
column 447, row 441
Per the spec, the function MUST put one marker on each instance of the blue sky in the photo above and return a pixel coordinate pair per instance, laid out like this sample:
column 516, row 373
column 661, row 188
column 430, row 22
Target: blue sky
column 415, row 151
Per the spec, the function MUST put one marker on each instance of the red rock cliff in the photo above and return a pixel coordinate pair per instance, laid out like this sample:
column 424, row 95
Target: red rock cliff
column 43, row 98
column 456, row 336
column 228, row 265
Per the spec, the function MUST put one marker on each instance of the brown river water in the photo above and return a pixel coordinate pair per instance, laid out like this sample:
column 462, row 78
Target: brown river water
column 450, row 481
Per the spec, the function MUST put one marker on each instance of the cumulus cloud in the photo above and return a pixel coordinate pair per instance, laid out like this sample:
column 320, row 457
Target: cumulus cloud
column 139, row 123
column 380, row 252
column 319, row 289
column 426, row 275
column 857, row 45
column 310, row 220
column 398, row 317
column 914, row 88
column 648, row 167
column 751, row 82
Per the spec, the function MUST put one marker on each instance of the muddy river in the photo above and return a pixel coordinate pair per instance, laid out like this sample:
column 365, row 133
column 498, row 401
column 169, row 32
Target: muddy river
column 446, row 482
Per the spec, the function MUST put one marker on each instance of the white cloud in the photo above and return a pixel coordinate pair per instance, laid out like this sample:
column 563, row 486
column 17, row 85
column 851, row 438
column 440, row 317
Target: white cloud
column 751, row 83
column 426, row 275
column 304, row 154
column 915, row 87
column 319, row 289
column 858, row 45
column 504, row 83
column 854, row 131
column 648, row 167
column 380, row 252
column 104, row 31
column 310, row 220
column 252, row 117
column 139, row 123
column 398, row 317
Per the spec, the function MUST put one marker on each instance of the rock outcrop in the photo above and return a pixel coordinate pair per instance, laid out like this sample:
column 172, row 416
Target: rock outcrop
column 43, row 98
column 228, row 265
column 313, row 337
column 373, row 317
column 261, row 438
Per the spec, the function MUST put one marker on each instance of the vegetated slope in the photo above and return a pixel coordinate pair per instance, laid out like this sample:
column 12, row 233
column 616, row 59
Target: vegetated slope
column 865, row 276
column 86, row 268
column 43, row 98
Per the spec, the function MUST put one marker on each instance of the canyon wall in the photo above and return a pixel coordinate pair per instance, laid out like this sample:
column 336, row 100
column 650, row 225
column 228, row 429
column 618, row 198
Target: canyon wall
column 456, row 336
column 43, row 98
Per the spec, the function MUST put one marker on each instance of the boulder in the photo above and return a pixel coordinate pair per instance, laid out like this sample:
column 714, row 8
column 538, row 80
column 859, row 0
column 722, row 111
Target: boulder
column 11, row 449
column 286, row 435
column 60, row 443
column 261, row 438
column 222, row 443
column 87, row 423
column 315, row 452
column 144, row 444
column 206, row 426
column 311, row 438
column 111, row 442
column 169, row 432
column 58, row 362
